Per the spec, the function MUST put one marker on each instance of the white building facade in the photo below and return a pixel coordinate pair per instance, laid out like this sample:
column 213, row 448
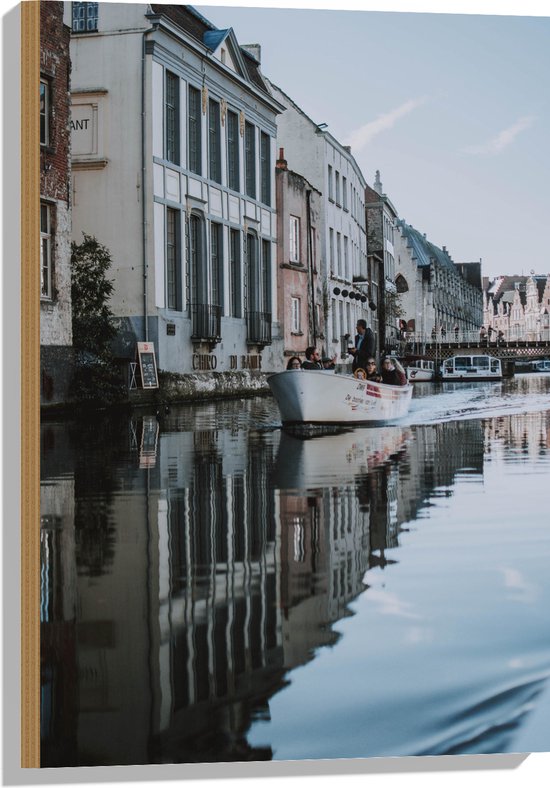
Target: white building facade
column 173, row 135
column 330, row 167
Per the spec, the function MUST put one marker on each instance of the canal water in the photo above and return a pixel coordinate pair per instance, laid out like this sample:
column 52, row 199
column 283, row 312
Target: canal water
column 214, row 588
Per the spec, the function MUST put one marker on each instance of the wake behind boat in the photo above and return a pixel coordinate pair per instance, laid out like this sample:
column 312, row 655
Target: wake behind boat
column 310, row 397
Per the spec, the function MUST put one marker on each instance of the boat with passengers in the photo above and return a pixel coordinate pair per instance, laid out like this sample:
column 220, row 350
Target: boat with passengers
column 311, row 397
column 420, row 370
column 474, row 367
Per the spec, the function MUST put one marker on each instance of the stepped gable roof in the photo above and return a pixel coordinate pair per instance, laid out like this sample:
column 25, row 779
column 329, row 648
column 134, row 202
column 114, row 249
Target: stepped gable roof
column 192, row 22
column 504, row 288
column 423, row 251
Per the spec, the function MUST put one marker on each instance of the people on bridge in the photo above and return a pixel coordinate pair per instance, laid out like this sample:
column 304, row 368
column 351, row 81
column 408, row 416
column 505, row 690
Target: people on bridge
column 393, row 373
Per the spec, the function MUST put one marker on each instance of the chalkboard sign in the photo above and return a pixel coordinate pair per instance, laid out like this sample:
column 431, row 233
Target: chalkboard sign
column 147, row 365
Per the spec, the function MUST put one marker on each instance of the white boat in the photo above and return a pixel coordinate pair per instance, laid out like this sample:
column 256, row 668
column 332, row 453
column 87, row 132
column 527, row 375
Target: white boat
column 310, row 397
column 543, row 365
column 471, row 368
column 420, row 370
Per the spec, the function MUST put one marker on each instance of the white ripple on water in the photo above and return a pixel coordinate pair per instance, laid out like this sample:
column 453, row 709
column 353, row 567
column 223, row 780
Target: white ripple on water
column 477, row 402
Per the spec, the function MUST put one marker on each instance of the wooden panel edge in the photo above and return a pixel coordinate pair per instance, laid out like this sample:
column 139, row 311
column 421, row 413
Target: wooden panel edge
column 30, row 401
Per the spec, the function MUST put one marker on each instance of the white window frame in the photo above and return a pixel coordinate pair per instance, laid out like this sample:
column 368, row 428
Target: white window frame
column 294, row 239
column 46, row 253
column 45, row 113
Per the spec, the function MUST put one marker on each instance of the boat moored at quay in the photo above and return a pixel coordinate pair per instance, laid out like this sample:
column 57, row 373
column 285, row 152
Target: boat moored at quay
column 471, row 367
column 420, row 370
column 325, row 398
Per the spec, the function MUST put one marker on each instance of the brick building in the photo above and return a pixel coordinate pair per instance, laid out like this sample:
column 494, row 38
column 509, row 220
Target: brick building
column 55, row 217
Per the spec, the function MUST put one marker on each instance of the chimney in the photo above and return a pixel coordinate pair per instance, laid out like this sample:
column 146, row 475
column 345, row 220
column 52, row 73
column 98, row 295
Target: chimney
column 255, row 50
column 281, row 163
column 377, row 183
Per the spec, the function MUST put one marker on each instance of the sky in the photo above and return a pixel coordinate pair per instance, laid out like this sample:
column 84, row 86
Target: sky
column 453, row 109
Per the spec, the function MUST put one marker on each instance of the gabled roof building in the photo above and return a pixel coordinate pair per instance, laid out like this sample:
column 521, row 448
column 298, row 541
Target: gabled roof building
column 518, row 306
column 436, row 293
column 331, row 169
column 173, row 132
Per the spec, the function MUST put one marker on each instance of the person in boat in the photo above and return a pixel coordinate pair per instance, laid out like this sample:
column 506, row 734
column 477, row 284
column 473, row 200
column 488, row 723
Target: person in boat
column 372, row 372
column 313, row 359
column 364, row 345
column 294, row 363
column 329, row 363
column 393, row 373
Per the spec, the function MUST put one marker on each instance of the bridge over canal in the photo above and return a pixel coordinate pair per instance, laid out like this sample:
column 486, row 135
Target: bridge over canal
column 438, row 349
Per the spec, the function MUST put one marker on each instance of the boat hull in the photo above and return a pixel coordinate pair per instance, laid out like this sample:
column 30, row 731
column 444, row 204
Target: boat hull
column 309, row 397
column 415, row 375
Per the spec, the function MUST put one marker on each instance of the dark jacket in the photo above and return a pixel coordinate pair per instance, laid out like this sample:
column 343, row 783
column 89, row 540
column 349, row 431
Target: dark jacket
column 365, row 351
column 393, row 377
column 312, row 365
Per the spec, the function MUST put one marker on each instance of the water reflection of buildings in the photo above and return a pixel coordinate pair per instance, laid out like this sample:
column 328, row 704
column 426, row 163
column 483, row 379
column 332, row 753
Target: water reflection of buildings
column 224, row 561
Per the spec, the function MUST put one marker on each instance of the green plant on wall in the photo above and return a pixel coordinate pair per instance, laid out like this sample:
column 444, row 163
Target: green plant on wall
column 96, row 378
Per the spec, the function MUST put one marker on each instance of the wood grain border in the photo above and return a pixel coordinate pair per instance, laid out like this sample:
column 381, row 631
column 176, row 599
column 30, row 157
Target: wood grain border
column 30, row 398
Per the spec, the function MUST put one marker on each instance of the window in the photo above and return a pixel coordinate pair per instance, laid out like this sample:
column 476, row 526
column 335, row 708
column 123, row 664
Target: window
column 173, row 259
column 266, row 275
column 45, row 251
column 330, row 192
column 172, row 118
column 44, row 112
column 347, row 273
column 344, row 194
column 85, row 17
column 252, row 273
column 214, row 148
column 235, row 272
column 250, row 159
column 233, row 179
column 295, row 315
column 294, row 240
column 331, row 250
column 194, row 131
column 196, row 261
column 216, row 258
column 337, row 187
column 265, row 168
column 334, row 320
column 338, row 254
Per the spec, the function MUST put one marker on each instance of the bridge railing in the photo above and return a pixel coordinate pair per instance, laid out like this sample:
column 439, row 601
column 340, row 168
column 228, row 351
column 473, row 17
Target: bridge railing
column 418, row 343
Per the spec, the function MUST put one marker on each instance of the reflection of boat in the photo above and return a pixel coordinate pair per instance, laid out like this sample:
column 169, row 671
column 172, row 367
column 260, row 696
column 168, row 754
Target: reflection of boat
column 338, row 458
column 320, row 398
column 471, row 368
column 420, row 369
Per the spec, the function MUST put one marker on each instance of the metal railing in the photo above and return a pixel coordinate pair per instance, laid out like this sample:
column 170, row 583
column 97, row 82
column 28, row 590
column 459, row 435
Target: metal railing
column 258, row 328
column 206, row 322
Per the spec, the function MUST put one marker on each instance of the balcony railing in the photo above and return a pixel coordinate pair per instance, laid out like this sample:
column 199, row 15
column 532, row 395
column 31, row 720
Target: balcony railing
column 206, row 322
column 258, row 328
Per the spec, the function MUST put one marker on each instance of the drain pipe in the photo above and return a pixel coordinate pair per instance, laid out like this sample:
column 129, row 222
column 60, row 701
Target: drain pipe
column 310, row 266
column 143, row 187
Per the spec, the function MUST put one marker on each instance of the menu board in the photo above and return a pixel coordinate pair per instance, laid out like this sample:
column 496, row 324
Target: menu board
column 147, row 365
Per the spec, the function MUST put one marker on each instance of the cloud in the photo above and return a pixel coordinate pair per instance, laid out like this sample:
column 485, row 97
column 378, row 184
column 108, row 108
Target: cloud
column 503, row 139
column 365, row 134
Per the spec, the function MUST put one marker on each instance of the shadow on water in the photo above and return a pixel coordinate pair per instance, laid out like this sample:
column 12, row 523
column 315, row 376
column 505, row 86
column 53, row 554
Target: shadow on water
column 193, row 559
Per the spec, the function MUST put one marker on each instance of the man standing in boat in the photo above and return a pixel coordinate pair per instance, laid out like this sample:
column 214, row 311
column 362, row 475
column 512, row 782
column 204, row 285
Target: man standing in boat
column 364, row 346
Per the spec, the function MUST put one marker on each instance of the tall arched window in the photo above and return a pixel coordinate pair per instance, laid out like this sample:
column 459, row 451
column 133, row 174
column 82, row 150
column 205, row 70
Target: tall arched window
column 401, row 284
